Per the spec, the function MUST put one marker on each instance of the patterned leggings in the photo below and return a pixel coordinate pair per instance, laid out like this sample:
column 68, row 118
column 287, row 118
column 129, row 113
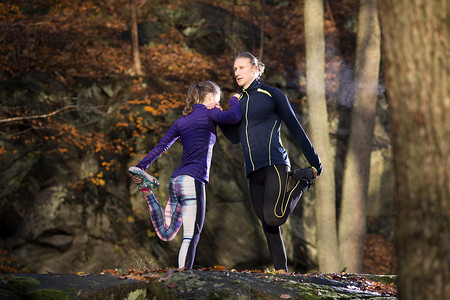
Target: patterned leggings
column 186, row 205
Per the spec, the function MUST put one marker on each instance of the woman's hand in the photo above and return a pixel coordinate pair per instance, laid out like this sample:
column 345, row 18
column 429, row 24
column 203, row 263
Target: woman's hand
column 237, row 96
column 212, row 105
column 136, row 180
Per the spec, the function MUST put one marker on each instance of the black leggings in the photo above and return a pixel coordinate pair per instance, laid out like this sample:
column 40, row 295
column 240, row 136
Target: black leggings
column 273, row 203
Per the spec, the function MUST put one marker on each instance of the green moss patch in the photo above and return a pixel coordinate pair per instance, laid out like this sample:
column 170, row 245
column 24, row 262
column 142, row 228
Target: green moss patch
column 47, row 294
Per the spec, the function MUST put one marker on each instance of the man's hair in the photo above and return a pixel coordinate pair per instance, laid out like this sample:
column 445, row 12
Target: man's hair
column 253, row 60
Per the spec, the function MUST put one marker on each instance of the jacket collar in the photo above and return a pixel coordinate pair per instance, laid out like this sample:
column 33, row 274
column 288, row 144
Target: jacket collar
column 255, row 84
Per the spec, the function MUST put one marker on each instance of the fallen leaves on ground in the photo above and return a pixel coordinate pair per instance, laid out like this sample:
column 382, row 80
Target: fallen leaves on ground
column 361, row 282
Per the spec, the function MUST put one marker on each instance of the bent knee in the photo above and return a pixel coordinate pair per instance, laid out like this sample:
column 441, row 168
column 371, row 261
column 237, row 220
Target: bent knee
column 274, row 221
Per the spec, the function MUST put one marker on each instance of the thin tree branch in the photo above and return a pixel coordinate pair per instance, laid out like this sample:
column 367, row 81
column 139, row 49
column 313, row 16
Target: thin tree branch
column 38, row 116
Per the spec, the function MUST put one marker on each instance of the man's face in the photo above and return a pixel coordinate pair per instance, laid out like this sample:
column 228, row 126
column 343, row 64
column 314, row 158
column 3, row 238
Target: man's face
column 244, row 72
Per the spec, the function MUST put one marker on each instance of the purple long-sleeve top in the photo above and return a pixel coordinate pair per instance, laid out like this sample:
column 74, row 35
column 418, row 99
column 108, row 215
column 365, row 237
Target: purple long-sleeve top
column 198, row 134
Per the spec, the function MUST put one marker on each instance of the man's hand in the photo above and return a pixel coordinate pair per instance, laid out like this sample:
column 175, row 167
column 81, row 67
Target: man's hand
column 314, row 173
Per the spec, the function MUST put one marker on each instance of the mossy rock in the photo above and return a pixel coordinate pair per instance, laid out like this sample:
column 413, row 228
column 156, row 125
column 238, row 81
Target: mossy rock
column 18, row 283
column 16, row 287
column 47, row 294
column 387, row 279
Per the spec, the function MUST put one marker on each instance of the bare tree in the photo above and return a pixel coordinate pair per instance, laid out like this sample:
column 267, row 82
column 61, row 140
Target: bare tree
column 352, row 218
column 135, row 38
column 415, row 36
column 315, row 86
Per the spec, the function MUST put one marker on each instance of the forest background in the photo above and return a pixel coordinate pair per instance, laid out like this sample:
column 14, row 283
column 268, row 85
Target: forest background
column 74, row 60
column 80, row 104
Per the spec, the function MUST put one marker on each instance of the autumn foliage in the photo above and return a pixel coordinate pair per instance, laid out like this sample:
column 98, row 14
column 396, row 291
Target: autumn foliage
column 7, row 263
column 379, row 255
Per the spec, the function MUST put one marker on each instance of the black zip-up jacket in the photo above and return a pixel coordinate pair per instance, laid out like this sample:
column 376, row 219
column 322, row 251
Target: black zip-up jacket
column 263, row 108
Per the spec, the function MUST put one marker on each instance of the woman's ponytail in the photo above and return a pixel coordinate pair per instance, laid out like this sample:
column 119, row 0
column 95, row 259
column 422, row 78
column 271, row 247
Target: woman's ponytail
column 197, row 93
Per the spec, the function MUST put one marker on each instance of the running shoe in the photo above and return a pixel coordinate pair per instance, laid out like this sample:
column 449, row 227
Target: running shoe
column 147, row 181
column 306, row 175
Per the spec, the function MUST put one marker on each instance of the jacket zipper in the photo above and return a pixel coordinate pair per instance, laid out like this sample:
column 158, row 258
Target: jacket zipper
column 246, row 131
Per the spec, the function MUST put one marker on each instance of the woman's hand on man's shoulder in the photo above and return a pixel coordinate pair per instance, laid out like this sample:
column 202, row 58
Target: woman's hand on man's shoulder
column 212, row 105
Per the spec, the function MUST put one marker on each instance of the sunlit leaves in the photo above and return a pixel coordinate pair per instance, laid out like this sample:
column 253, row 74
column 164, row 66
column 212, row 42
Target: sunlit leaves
column 170, row 60
column 139, row 116
column 97, row 179
column 8, row 262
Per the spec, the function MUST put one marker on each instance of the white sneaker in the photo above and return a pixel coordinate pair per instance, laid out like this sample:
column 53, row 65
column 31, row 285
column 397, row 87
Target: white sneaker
column 147, row 181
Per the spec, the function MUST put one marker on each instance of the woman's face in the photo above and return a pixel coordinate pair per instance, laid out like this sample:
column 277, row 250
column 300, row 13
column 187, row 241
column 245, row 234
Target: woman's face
column 244, row 72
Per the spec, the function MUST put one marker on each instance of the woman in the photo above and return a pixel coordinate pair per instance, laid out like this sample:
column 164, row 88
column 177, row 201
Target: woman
column 274, row 190
column 187, row 202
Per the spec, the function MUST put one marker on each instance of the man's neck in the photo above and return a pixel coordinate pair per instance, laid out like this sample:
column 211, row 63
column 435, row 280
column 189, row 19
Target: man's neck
column 246, row 87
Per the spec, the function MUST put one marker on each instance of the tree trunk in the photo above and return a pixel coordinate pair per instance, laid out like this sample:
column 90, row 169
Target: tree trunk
column 352, row 219
column 134, row 38
column 315, row 88
column 261, row 35
column 416, row 56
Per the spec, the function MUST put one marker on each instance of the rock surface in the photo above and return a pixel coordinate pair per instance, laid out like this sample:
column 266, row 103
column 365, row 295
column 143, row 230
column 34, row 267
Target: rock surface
column 197, row 284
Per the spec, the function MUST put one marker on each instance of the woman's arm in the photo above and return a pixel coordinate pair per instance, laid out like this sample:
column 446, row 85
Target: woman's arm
column 169, row 138
column 232, row 116
column 231, row 130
